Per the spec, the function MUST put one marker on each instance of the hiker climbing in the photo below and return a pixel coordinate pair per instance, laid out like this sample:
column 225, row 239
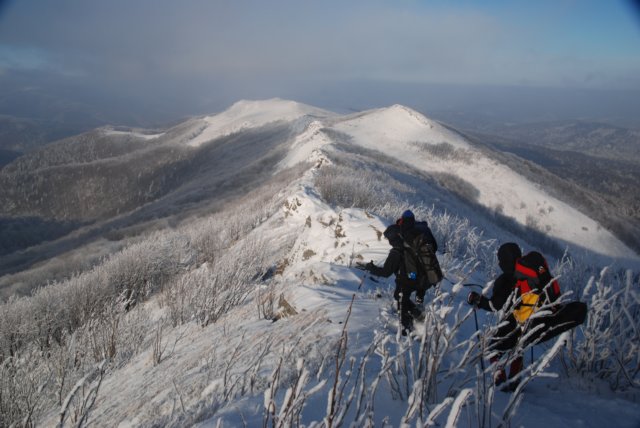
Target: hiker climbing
column 413, row 261
column 528, row 287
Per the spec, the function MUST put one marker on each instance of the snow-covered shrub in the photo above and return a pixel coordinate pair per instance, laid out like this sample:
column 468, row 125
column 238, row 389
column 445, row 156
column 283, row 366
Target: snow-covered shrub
column 458, row 186
column 206, row 237
column 80, row 400
column 610, row 344
column 352, row 186
column 125, row 277
column 103, row 332
column 144, row 267
column 177, row 299
column 435, row 368
column 22, row 384
column 446, row 151
column 207, row 293
column 14, row 326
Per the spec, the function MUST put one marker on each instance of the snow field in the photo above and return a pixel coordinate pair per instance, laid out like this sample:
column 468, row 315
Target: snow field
column 399, row 132
column 222, row 373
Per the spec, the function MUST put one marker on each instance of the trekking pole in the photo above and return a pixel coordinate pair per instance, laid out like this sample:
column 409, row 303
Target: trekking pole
column 475, row 316
column 472, row 285
column 484, row 382
column 468, row 284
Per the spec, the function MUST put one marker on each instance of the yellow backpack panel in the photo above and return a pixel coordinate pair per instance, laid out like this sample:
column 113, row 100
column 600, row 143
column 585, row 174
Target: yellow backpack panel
column 527, row 307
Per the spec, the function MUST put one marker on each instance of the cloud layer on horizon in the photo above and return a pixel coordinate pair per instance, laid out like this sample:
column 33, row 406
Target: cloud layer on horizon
column 252, row 41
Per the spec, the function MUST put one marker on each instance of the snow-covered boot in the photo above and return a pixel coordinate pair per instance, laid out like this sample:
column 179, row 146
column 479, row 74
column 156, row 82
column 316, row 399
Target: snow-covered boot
column 407, row 326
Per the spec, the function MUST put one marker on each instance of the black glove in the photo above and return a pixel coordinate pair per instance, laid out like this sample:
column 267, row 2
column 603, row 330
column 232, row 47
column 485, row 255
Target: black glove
column 365, row 267
column 473, row 298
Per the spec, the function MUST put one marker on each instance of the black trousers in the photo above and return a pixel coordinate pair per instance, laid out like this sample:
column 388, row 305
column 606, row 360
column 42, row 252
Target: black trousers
column 568, row 316
column 402, row 294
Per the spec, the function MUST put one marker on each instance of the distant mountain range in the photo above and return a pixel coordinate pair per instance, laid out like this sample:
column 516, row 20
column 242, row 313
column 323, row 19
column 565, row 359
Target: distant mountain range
column 587, row 138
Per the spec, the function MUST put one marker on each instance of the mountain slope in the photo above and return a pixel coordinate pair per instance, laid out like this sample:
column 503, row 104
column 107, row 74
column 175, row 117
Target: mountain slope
column 247, row 308
column 278, row 350
column 602, row 187
column 117, row 178
column 411, row 138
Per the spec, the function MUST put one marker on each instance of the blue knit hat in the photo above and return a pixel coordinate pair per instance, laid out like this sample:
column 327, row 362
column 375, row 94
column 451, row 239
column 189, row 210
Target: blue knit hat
column 408, row 214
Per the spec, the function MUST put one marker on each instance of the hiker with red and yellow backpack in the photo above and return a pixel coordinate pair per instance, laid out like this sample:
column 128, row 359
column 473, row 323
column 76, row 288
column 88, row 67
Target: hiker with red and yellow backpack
column 532, row 289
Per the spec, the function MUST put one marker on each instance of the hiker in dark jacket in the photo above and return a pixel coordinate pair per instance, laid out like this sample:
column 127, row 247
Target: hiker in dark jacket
column 503, row 285
column 506, row 337
column 394, row 264
column 563, row 317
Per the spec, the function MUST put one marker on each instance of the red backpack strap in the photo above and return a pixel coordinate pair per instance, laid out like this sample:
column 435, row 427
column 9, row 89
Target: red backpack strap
column 526, row 277
column 532, row 273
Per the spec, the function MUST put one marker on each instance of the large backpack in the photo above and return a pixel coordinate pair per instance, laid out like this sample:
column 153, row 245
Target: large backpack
column 420, row 261
column 534, row 285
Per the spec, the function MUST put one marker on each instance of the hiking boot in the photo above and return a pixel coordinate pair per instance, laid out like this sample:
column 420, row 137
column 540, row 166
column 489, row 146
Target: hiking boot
column 510, row 386
column 417, row 314
column 407, row 327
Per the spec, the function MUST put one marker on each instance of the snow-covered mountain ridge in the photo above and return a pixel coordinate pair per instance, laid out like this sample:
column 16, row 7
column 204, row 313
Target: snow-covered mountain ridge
column 254, row 314
column 112, row 178
column 159, row 163
column 402, row 133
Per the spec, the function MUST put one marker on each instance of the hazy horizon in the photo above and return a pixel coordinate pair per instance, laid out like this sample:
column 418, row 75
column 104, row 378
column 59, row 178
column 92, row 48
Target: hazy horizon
column 153, row 62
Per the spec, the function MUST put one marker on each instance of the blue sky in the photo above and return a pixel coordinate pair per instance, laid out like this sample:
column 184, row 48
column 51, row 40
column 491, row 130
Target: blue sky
column 245, row 48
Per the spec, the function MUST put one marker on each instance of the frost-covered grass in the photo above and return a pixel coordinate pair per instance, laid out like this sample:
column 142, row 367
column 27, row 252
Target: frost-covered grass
column 56, row 336
column 609, row 346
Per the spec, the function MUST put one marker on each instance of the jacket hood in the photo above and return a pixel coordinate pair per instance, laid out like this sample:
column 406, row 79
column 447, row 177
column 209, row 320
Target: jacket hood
column 392, row 233
column 507, row 255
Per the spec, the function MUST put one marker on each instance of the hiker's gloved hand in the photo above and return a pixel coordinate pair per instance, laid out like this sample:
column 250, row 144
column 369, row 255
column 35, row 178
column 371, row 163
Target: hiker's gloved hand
column 366, row 267
column 473, row 298
column 361, row 266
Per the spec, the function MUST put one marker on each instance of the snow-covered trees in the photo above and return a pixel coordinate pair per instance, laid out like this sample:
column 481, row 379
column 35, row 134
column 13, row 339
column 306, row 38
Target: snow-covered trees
column 54, row 337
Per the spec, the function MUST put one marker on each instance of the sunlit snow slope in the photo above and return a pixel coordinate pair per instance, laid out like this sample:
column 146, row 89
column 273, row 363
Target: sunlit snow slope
column 407, row 135
column 251, row 114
